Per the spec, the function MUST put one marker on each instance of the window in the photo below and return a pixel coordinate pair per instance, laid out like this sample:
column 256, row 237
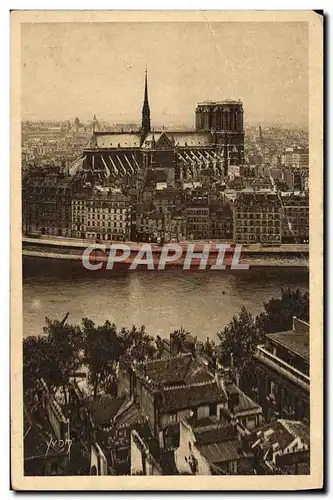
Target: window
column 194, row 413
column 233, row 467
column 213, row 409
column 173, row 417
column 251, row 423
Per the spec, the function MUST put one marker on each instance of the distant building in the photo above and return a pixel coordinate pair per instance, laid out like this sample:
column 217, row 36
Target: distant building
column 198, row 220
column 301, row 158
column 288, row 157
column 226, row 119
column 166, row 200
column 46, row 203
column 217, row 143
column 222, row 222
column 257, row 217
column 295, row 212
column 101, row 215
column 296, row 158
column 175, row 226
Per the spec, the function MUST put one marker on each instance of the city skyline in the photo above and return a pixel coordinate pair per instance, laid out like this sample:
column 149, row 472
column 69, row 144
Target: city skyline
column 112, row 87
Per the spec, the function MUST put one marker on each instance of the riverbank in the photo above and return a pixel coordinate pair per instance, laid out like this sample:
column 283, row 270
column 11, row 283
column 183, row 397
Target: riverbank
column 255, row 248
column 251, row 260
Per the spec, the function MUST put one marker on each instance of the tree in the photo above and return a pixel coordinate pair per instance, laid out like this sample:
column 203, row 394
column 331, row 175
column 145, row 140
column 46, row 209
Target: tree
column 159, row 347
column 278, row 313
column 179, row 339
column 137, row 343
column 208, row 347
column 102, row 350
column 239, row 340
column 65, row 344
column 37, row 362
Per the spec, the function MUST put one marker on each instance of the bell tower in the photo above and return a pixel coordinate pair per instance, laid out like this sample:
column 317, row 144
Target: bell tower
column 145, row 123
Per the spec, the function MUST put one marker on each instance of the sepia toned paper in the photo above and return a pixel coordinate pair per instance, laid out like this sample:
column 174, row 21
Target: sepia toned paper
column 38, row 39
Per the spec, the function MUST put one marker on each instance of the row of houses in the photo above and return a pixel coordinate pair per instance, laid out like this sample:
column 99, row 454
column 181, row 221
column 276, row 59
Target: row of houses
column 51, row 205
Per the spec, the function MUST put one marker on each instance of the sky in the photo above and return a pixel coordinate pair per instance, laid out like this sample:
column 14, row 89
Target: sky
column 82, row 69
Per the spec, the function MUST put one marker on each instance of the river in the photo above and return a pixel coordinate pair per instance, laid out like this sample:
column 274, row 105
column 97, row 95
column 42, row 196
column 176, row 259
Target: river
column 201, row 301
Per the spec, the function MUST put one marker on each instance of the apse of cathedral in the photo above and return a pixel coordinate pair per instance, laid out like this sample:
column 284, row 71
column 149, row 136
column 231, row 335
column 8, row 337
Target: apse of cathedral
column 172, row 156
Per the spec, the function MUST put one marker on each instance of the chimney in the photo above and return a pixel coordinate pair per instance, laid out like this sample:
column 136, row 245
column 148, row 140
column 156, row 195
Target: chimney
column 237, row 377
column 161, row 440
column 300, row 326
column 233, row 400
column 220, row 381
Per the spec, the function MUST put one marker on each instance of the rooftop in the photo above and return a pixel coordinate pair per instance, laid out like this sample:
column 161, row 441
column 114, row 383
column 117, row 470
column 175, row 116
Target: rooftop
column 221, row 452
column 182, row 138
column 214, row 103
column 144, row 438
column 180, row 369
column 297, row 343
column 105, row 408
column 191, row 396
column 110, row 140
column 280, row 434
column 245, row 403
column 212, row 432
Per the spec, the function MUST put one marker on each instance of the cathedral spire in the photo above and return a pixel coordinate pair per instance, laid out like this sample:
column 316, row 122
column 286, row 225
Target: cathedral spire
column 145, row 124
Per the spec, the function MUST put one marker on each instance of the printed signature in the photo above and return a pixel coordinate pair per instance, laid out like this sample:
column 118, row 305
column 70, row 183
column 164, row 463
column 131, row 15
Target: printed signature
column 59, row 445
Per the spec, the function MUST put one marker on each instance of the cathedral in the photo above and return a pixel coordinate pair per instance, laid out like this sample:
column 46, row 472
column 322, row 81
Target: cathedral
column 180, row 155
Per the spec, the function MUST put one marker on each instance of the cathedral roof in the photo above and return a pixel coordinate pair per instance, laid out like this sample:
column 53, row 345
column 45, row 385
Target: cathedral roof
column 110, row 140
column 183, row 138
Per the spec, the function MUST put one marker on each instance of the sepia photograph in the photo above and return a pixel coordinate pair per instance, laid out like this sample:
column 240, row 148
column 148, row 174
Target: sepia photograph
column 166, row 243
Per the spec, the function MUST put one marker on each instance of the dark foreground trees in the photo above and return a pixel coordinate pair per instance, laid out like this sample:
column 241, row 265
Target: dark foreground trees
column 65, row 349
column 278, row 313
column 101, row 354
column 240, row 337
column 53, row 357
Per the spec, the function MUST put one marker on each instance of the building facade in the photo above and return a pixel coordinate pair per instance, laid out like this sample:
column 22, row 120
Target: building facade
column 46, row 203
column 198, row 222
column 295, row 212
column 215, row 144
column 284, row 374
column 226, row 119
column 257, row 217
column 101, row 215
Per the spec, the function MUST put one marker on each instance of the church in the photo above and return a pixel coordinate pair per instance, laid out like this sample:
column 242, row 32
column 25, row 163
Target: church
column 179, row 155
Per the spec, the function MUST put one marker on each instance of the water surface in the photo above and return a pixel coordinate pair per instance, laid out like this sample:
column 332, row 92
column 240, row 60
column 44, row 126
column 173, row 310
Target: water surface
column 201, row 301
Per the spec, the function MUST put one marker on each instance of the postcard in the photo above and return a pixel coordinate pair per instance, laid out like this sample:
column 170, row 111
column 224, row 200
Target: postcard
column 166, row 250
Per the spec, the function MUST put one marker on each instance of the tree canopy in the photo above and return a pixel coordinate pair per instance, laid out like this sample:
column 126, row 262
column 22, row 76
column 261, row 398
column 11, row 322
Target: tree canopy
column 244, row 332
column 239, row 339
column 101, row 353
column 278, row 312
column 64, row 348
